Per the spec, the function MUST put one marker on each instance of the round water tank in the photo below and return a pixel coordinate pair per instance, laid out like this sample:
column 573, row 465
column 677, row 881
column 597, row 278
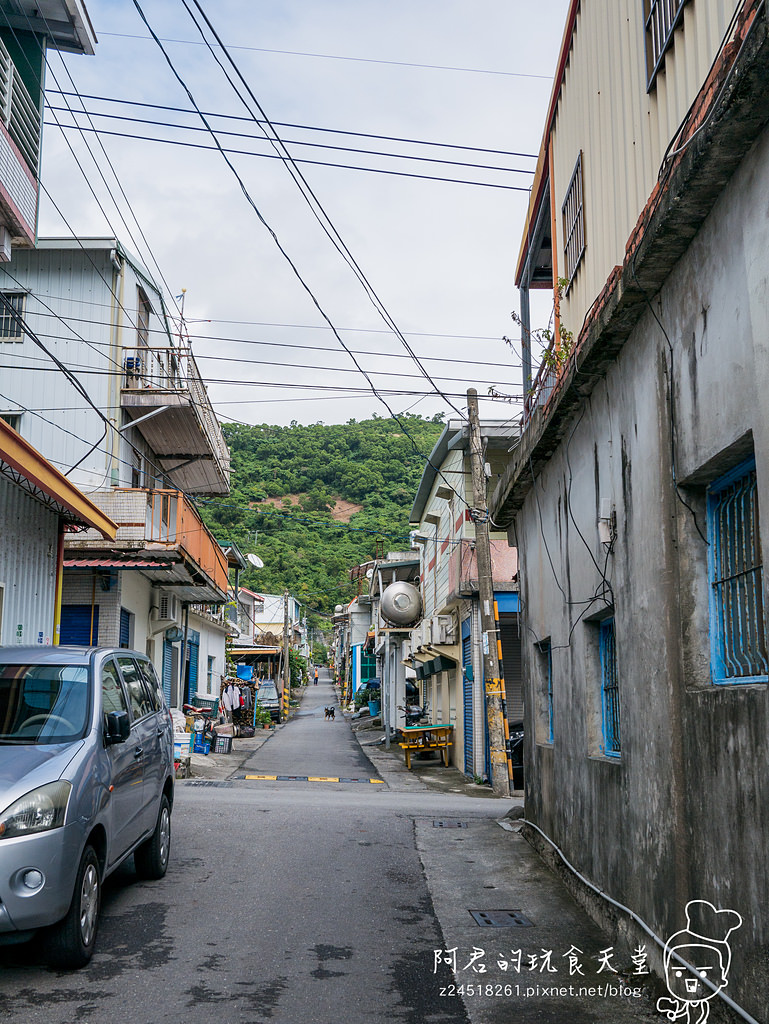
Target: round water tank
column 339, row 609
column 401, row 604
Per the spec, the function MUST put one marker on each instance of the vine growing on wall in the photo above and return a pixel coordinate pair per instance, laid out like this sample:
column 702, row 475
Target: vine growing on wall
column 557, row 345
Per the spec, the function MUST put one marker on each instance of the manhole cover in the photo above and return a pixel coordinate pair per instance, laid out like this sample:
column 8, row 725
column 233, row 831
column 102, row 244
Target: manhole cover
column 208, row 782
column 441, row 823
column 501, row 919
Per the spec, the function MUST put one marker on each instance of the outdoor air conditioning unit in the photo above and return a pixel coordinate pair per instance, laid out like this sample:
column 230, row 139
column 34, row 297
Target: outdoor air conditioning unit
column 167, row 609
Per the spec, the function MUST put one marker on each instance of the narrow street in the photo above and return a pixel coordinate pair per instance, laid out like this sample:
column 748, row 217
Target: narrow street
column 310, row 902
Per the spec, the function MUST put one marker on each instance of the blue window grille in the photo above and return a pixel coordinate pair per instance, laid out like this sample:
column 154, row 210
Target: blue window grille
column 737, row 627
column 609, row 689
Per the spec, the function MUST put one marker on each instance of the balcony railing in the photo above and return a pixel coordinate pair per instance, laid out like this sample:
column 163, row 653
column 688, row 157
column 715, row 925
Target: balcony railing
column 171, row 519
column 158, row 521
column 543, row 386
column 175, row 369
column 18, row 111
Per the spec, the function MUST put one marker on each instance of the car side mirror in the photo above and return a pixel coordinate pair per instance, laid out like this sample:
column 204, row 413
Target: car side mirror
column 118, row 727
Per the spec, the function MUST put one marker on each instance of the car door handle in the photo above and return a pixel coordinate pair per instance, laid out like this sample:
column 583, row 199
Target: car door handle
column 138, row 752
column 161, row 732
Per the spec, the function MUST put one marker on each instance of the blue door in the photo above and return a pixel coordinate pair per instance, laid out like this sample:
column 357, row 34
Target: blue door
column 193, row 655
column 76, row 625
column 467, row 696
column 125, row 628
column 168, row 664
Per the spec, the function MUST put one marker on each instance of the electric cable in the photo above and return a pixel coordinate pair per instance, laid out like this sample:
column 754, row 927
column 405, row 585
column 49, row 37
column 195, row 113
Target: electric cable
column 302, row 127
column 334, row 56
column 90, row 114
column 300, row 160
column 262, row 220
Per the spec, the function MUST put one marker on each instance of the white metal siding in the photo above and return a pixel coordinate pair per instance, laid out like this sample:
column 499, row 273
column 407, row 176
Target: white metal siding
column 604, row 111
column 28, row 539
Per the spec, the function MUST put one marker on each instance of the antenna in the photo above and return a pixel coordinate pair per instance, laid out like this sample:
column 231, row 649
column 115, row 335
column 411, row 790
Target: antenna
column 255, row 560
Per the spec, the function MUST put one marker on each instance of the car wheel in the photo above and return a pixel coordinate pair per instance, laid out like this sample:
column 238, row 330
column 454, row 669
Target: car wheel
column 151, row 858
column 70, row 943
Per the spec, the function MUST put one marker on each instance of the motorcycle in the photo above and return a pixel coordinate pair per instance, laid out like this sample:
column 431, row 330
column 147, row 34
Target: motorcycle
column 413, row 713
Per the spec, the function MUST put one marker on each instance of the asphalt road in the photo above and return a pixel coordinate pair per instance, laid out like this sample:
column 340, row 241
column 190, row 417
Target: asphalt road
column 307, row 903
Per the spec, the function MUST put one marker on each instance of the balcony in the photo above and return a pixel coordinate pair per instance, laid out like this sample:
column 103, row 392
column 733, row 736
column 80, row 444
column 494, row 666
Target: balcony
column 463, row 567
column 161, row 533
column 19, row 153
column 164, row 394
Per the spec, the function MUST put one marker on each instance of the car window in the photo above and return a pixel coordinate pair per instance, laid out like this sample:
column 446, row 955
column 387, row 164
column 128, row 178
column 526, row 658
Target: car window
column 42, row 704
column 112, row 696
column 141, row 704
column 153, row 685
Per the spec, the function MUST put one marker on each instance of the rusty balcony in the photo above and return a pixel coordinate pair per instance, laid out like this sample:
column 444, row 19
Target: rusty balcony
column 164, row 395
column 160, row 532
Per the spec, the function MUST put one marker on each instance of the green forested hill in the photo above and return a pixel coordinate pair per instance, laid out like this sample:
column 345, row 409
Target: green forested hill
column 318, row 497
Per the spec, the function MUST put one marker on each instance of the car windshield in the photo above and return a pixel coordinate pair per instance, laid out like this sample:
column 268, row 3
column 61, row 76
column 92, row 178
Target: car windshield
column 42, row 704
column 266, row 691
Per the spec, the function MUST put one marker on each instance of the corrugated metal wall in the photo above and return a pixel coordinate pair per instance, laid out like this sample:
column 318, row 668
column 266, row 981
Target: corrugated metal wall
column 28, row 537
column 623, row 131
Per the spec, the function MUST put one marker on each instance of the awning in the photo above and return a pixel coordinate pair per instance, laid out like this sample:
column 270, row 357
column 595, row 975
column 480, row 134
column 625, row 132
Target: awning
column 28, row 469
column 111, row 563
column 242, row 652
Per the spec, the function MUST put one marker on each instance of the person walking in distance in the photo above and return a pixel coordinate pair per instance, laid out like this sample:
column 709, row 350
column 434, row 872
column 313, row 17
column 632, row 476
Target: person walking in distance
column 316, row 676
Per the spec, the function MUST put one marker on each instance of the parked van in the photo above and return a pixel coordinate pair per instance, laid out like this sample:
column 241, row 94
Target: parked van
column 86, row 781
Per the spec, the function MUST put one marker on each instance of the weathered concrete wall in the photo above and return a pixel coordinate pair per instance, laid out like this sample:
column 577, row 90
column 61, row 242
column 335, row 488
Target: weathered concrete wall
column 683, row 813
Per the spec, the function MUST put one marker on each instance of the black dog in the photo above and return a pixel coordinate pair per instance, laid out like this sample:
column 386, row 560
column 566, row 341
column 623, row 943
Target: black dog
column 328, row 714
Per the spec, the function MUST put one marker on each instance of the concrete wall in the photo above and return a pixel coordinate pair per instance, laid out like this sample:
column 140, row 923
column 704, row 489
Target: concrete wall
column 683, row 813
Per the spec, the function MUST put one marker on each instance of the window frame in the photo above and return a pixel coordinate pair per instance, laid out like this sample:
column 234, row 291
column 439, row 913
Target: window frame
column 655, row 61
column 610, row 696
column 715, row 504
column 573, row 221
column 12, row 337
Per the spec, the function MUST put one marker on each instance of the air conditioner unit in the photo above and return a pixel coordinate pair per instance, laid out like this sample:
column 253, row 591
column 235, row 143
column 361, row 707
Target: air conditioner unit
column 167, row 608
column 426, row 632
column 444, row 630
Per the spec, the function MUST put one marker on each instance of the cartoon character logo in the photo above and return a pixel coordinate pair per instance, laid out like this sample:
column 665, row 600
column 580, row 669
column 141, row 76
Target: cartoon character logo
column 704, row 944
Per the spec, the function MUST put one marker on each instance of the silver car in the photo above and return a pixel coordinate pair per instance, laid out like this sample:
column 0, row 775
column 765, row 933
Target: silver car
column 86, row 780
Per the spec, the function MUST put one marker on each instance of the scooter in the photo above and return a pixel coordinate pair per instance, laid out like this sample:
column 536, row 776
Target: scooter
column 413, row 713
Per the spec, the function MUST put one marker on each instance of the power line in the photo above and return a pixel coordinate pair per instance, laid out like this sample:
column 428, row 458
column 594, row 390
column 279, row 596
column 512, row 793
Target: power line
column 310, row 197
column 277, row 242
column 269, row 344
column 314, row 163
column 301, row 127
column 335, row 56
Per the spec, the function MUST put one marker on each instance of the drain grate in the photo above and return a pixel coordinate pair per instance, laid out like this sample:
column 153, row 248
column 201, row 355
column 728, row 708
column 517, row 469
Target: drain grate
column 443, row 823
column 501, row 919
column 208, row 782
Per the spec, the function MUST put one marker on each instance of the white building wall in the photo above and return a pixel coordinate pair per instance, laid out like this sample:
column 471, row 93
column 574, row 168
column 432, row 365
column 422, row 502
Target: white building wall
column 212, row 645
column 71, row 308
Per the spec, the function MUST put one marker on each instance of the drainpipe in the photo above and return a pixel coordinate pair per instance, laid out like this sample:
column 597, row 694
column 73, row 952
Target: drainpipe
column 59, row 584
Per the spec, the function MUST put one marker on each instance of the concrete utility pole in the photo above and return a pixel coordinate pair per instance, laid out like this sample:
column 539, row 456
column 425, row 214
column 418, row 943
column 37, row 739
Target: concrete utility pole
column 286, row 664
column 494, row 684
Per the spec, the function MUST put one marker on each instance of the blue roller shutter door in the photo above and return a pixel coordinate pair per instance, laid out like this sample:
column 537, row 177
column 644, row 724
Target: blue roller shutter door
column 76, row 625
column 467, row 696
column 168, row 663
column 193, row 647
column 125, row 628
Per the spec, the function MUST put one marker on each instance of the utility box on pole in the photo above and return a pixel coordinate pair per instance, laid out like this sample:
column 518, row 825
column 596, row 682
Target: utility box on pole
column 494, row 684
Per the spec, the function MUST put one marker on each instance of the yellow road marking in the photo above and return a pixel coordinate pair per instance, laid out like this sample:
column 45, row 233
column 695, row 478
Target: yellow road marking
column 272, row 778
column 323, row 778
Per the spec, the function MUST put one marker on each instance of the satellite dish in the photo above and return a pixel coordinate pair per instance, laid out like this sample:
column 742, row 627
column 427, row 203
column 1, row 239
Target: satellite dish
column 174, row 633
column 369, row 573
column 255, row 560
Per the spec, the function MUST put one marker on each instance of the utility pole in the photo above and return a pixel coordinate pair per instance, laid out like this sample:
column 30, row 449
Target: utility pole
column 286, row 665
column 494, row 684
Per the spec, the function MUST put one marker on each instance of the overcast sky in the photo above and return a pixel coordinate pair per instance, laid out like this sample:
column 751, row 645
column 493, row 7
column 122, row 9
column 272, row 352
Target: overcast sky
column 440, row 255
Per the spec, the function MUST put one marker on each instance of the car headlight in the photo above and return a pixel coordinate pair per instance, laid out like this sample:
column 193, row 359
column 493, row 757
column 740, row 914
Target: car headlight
column 38, row 811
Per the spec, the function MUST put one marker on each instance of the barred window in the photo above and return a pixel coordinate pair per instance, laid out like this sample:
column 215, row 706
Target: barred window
column 10, row 326
column 144, row 309
column 737, row 627
column 661, row 19
column 573, row 212
column 609, row 689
